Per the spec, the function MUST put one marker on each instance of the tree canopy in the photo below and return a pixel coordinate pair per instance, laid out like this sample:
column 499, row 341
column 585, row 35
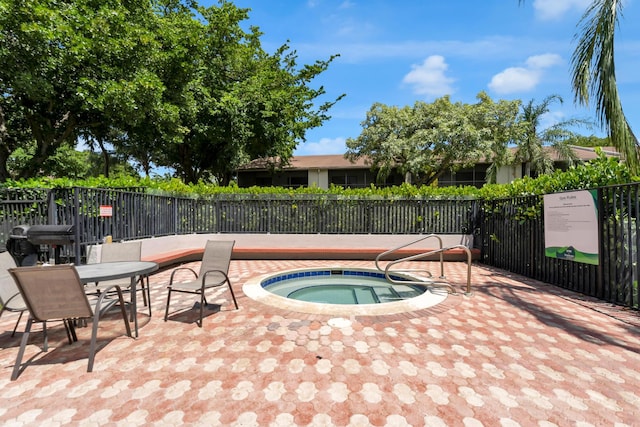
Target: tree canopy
column 417, row 140
column 530, row 145
column 64, row 67
column 593, row 73
column 163, row 82
column 425, row 140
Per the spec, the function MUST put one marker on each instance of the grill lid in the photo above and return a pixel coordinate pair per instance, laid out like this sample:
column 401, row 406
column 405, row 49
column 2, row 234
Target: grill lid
column 50, row 234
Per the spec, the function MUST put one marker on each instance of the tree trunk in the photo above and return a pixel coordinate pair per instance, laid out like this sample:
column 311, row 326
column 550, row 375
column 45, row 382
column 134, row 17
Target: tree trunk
column 4, row 151
column 105, row 157
column 49, row 137
column 4, row 156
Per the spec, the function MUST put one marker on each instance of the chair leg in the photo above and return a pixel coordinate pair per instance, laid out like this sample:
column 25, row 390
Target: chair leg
column 94, row 329
column 94, row 333
column 203, row 302
column 233, row 295
column 143, row 289
column 148, row 296
column 45, row 347
column 124, row 312
column 68, row 327
column 166, row 311
column 16, row 326
column 23, row 344
column 72, row 328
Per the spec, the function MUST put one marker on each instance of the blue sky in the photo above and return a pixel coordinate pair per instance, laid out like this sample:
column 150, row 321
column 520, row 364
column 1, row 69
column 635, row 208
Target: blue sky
column 403, row 51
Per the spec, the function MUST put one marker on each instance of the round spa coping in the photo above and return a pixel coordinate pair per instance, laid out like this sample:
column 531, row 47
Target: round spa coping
column 254, row 290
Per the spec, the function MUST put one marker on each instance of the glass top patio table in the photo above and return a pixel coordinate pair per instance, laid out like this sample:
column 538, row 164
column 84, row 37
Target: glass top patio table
column 103, row 271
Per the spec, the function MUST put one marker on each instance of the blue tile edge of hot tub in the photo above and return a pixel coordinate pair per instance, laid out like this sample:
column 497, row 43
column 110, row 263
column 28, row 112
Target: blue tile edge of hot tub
column 328, row 272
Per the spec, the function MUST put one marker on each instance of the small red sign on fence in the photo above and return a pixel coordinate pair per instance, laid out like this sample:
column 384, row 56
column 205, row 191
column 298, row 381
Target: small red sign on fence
column 106, row 210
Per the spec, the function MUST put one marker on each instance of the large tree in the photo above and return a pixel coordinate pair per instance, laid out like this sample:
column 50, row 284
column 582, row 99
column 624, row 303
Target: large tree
column 504, row 127
column 14, row 132
column 240, row 102
column 163, row 82
column 594, row 74
column 65, row 65
column 421, row 141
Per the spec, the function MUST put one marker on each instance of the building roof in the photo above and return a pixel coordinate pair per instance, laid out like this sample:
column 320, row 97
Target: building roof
column 589, row 153
column 338, row 161
column 327, row 161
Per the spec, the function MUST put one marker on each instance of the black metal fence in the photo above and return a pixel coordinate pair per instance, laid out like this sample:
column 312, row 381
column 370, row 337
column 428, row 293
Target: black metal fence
column 127, row 215
column 325, row 215
column 512, row 238
column 510, row 232
column 620, row 244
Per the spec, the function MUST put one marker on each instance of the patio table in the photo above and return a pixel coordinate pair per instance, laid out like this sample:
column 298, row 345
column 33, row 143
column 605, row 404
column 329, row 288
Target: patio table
column 104, row 271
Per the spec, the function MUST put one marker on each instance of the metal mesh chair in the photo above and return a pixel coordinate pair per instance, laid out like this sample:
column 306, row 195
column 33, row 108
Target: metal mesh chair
column 56, row 293
column 10, row 298
column 212, row 274
column 125, row 251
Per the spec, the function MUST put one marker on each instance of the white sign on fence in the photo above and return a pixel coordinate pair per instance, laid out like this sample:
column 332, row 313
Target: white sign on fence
column 571, row 226
column 106, row 210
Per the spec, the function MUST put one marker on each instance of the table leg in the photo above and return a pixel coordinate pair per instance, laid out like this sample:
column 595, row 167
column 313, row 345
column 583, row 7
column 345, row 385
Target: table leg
column 134, row 308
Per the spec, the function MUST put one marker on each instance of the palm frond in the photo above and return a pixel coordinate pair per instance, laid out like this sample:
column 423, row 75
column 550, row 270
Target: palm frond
column 593, row 74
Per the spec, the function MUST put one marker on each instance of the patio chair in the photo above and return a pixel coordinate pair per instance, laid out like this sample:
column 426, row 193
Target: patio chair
column 129, row 251
column 212, row 274
column 10, row 298
column 55, row 293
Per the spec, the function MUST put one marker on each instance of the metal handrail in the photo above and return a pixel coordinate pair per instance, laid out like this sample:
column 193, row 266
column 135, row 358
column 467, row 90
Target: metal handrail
column 390, row 251
column 441, row 250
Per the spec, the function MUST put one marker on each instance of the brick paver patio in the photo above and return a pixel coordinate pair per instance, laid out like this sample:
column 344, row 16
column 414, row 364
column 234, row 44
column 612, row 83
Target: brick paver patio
column 515, row 353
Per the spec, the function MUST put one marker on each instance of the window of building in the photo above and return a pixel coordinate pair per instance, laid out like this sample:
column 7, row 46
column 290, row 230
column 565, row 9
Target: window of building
column 298, row 181
column 347, row 178
column 475, row 176
column 264, row 181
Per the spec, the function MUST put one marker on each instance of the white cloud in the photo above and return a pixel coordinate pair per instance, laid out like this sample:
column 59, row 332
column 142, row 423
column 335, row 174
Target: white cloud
column 324, row 146
column 543, row 61
column 555, row 9
column 429, row 78
column 515, row 79
column 524, row 79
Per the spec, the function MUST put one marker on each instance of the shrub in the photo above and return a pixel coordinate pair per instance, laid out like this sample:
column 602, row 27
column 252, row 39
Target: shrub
column 601, row 171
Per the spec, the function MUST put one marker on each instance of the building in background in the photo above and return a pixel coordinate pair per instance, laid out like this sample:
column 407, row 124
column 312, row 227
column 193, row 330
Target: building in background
column 313, row 171
column 323, row 170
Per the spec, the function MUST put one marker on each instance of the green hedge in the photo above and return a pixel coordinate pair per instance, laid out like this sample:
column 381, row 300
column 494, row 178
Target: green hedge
column 599, row 172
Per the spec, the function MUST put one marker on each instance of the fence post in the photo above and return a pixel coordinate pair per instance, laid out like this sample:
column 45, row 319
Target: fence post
column 175, row 215
column 601, row 246
column 52, row 214
column 76, row 222
column 269, row 215
column 218, row 215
